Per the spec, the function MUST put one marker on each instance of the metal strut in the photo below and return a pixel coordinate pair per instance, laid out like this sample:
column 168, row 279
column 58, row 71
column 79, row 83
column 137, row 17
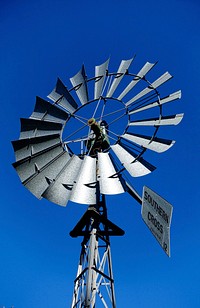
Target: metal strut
column 94, row 283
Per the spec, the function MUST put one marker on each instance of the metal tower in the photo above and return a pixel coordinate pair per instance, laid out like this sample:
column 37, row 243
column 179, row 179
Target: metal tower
column 95, row 275
column 82, row 150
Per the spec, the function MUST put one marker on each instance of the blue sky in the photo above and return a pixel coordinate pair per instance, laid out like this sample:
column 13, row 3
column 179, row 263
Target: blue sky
column 41, row 40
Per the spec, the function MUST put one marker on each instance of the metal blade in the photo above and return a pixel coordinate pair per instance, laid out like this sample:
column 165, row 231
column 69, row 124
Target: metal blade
column 165, row 77
column 84, row 190
column 100, row 73
column 36, row 128
column 26, row 147
column 124, row 65
column 141, row 74
column 79, row 82
column 47, row 112
column 59, row 191
column 155, row 144
column 109, row 184
column 62, row 97
column 41, row 180
column 167, row 120
column 29, row 166
column 167, row 99
column 135, row 167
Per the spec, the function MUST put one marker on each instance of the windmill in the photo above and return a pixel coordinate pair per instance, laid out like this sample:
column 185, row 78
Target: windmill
column 81, row 152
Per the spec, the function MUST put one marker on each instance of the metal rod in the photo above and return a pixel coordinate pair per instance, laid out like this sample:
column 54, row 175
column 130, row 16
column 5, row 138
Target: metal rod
column 90, row 282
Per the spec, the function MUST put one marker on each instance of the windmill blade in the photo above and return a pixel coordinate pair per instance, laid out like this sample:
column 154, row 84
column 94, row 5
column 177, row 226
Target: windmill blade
column 164, row 78
column 59, row 191
column 136, row 167
column 124, row 65
column 80, row 85
column 29, row 166
column 62, row 97
column 24, row 148
column 109, row 184
column 141, row 74
column 41, row 180
column 35, row 128
column 158, row 145
column 100, row 74
column 167, row 99
column 84, row 190
column 47, row 112
column 167, row 120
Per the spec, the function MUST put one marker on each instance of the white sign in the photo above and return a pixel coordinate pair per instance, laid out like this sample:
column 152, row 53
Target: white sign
column 157, row 214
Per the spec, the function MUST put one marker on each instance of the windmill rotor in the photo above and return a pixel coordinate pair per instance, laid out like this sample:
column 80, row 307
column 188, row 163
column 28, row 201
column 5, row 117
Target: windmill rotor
column 44, row 158
column 79, row 144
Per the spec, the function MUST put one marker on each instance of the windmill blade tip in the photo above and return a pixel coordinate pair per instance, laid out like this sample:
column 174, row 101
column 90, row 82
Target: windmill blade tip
column 180, row 116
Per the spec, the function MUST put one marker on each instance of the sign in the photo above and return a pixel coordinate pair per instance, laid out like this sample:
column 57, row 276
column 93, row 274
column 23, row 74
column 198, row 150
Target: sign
column 157, row 214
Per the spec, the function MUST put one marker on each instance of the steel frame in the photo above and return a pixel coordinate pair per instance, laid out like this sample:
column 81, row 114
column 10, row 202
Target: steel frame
column 94, row 282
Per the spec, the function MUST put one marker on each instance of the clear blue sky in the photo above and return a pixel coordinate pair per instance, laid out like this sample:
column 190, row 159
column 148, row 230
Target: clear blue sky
column 41, row 40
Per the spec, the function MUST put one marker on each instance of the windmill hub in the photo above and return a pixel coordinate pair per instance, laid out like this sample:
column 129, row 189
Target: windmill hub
column 99, row 142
